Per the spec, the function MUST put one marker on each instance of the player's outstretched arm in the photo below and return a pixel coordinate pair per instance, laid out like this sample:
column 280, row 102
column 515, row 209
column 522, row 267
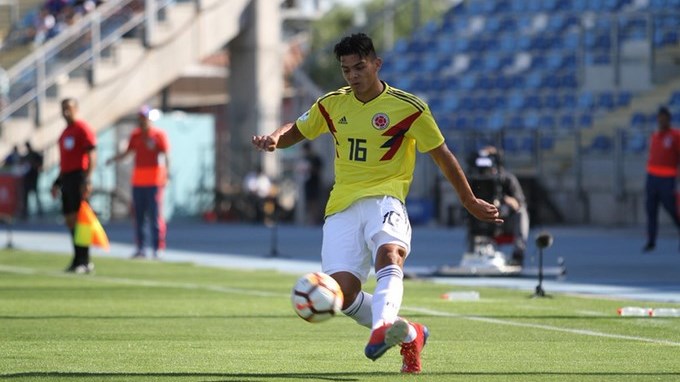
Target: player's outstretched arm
column 285, row 136
column 451, row 169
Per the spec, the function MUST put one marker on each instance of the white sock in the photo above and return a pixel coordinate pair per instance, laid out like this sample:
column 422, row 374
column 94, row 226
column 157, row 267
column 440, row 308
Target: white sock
column 412, row 334
column 389, row 291
column 360, row 310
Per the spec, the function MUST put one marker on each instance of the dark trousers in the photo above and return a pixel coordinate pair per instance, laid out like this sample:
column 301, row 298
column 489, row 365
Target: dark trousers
column 148, row 202
column 660, row 190
column 31, row 186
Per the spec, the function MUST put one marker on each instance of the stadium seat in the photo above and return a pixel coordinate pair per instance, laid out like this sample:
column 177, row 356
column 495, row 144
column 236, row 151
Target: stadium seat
column 675, row 99
column 531, row 121
column 605, row 100
column 638, row 120
column 586, row 101
column 635, row 143
column 567, row 122
column 510, row 145
column 601, row 143
column 496, row 121
column 547, row 121
column 552, row 101
column 624, row 98
column 585, row 121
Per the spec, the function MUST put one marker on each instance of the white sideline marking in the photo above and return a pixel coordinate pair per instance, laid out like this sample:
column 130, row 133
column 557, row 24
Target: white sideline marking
column 539, row 326
column 213, row 288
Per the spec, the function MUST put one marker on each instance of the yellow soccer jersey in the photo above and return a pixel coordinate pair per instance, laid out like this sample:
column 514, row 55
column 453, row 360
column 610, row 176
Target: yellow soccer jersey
column 375, row 142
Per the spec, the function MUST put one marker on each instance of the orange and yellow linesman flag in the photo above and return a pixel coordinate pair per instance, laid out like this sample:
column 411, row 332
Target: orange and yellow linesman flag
column 88, row 229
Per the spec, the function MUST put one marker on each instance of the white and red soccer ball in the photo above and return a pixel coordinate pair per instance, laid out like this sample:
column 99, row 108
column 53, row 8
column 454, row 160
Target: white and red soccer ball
column 316, row 297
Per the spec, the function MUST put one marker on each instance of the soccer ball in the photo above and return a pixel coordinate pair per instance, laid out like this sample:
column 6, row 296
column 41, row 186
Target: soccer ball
column 316, row 297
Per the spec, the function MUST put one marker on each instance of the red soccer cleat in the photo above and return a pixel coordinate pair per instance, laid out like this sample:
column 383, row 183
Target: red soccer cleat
column 385, row 337
column 411, row 350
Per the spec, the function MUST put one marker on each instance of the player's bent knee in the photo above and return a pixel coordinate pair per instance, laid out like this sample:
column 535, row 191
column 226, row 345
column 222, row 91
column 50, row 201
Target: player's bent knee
column 350, row 285
column 390, row 254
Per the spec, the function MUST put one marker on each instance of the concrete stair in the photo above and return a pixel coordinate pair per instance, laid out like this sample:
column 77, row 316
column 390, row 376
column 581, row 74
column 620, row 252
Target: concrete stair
column 133, row 73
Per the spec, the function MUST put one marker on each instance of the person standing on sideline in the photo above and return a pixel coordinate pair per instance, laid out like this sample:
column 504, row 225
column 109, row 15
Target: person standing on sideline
column 313, row 185
column 662, row 169
column 149, row 177
column 77, row 160
column 34, row 162
column 13, row 158
column 376, row 129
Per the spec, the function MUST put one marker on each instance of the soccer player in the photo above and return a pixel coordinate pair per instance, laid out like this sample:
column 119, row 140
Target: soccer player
column 376, row 129
column 149, row 177
column 77, row 160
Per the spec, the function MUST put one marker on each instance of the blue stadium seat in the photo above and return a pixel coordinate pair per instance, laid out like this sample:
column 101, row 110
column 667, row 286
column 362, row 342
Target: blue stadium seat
column 479, row 123
column 601, row 143
column 552, row 101
column 461, row 123
column 624, row 98
column 515, row 122
column 528, row 144
column 532, row 121
column 675, row 99
column 496, row 121
column 638, row 120
column 606, row 101
column 635, row 143
column 547, row 121
column 510, row 145
column 569, row 101
column 468, row 82
column 585, row 121
column 534, row 80
column 516, row 101
column 567, row 122
column 586, row 101
column 451, row 103
column 547, row 142
column 534, row 102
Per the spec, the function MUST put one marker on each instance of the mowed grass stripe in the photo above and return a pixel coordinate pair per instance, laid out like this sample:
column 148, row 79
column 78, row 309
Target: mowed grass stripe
column 421, row 310
column 144, row 283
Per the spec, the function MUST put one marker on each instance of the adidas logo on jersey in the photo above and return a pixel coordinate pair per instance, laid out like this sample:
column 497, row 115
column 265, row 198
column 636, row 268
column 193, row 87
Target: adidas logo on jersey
column 343, row 121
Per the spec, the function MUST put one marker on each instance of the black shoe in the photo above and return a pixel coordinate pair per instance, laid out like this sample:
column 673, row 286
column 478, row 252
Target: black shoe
column 138, row 255
column 649, row 247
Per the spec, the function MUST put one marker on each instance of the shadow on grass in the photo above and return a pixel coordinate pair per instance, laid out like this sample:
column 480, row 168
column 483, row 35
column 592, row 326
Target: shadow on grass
column 345, row 376
column 289, row 316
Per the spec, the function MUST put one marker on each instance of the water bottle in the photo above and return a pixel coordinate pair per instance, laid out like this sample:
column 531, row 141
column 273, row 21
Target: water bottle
column 633, row 311
column 665, row 312
column 461, row 296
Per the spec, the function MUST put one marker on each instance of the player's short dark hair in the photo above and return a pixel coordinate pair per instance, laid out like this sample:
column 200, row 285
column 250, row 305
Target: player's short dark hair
column 69, row 101
column 358, row 43
column 663, row 110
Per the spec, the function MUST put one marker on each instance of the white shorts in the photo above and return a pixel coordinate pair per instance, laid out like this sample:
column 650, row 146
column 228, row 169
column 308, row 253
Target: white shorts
column 351, row 238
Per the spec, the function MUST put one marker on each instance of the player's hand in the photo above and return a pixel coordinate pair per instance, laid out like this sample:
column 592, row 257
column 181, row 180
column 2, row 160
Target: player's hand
column 512, row 202
column 264, row 142
column 484, row 211
column 86, row 189
column 54, row 191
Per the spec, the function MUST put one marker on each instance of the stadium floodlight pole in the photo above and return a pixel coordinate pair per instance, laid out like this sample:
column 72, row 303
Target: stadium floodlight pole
column 543, row 240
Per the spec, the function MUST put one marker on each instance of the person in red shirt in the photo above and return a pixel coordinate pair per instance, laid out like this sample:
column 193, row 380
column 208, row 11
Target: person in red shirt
column 149, row 177
column 77, row 160
column 662, row 171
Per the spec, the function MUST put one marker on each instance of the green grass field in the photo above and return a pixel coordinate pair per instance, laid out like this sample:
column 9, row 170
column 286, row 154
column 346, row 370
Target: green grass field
column 154, row 321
